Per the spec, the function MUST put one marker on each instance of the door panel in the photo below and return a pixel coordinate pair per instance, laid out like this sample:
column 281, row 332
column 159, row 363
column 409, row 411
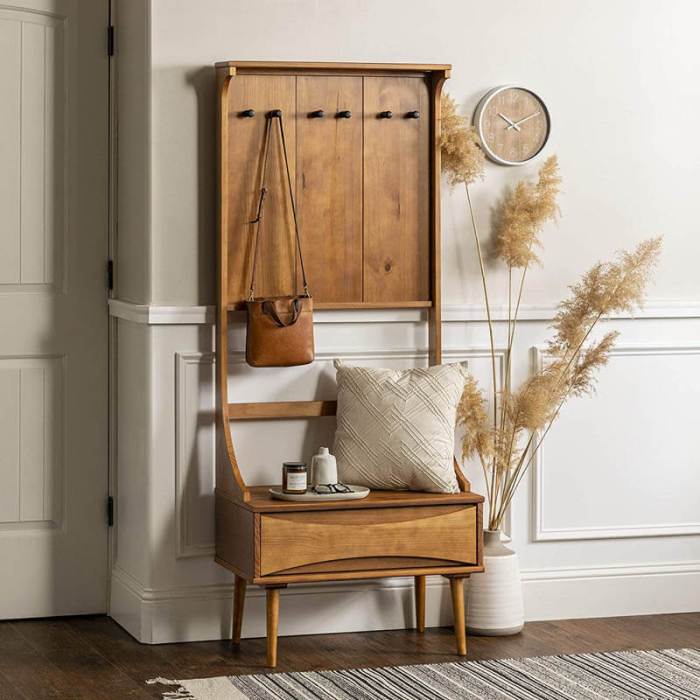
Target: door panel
column 31, row 76
column 396, row 190
column 53, row 316
column 329, row 185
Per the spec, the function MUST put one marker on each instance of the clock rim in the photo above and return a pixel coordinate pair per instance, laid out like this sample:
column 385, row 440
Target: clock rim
column 477, row 122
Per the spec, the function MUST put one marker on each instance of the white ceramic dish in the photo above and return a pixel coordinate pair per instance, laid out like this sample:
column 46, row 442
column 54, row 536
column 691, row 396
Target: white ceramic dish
column 356, row 493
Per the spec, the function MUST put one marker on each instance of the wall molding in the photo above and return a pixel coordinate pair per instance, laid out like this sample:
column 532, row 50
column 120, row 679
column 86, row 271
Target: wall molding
column 184, row 402
column 156, row 615
column 541, row 533
column 155, row 314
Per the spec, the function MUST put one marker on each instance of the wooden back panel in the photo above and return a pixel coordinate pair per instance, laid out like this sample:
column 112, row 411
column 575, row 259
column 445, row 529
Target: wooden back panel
column 243, row 161
column 329, row 185
column 362, row 184
column 396, row 190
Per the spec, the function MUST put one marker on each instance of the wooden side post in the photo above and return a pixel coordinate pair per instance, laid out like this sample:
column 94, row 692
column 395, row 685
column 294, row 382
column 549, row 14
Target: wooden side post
column 228, row 476
column 435, row 312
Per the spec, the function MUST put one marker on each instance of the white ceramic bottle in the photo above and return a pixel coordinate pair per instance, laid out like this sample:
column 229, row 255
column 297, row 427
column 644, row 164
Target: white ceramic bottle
column 323, row 467
column 495, row 597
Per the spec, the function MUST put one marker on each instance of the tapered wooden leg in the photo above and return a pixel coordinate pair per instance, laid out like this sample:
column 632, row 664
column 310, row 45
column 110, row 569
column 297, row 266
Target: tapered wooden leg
column 457, row 590
column 273, row 616
column 419, row 592
column 238, row 605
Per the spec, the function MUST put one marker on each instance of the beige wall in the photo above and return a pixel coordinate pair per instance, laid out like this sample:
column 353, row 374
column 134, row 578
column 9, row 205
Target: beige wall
column 608, row 523
column 132, row 93
column 620, row 78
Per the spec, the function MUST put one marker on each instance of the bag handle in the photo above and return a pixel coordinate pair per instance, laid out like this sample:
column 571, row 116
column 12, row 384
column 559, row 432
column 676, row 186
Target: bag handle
column 268, row 308
column 274, row 114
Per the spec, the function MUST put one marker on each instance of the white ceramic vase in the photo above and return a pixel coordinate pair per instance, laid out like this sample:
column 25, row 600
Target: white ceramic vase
column 323, row 467
column 495, row 597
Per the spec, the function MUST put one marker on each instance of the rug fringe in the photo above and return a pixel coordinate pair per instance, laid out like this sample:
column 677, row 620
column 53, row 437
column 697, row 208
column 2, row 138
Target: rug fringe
column 180, row 694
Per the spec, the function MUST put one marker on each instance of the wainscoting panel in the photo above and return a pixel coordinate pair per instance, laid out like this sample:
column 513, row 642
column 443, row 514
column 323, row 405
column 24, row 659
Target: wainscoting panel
column 638, row 436
column 603, row 484
column 195, row 436
column 32, row 99
column 30, row 442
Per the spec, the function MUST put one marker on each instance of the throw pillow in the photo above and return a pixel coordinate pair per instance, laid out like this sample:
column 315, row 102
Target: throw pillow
column 396, row 428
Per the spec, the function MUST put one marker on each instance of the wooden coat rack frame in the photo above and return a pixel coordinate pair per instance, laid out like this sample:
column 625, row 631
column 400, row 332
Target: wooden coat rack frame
column 365, row 159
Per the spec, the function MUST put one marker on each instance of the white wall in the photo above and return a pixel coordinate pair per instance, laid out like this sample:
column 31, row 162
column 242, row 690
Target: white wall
column 133, row 132
column 610, row 522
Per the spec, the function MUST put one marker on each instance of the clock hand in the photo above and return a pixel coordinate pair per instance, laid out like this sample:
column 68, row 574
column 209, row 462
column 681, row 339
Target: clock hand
column 512, row 124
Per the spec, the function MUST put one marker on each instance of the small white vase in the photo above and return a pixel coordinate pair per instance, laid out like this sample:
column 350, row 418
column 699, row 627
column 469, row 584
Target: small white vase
column 495, row 597
column 323, row 467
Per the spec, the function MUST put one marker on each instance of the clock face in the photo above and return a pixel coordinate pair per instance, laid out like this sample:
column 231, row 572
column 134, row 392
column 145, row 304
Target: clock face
column 513, row 124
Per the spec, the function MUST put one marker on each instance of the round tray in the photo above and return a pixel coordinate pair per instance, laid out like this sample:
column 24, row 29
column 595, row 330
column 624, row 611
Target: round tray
column 356, row 493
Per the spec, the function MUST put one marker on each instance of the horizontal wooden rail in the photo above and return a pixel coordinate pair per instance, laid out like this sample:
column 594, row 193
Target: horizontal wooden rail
column 345, row 305
column 281, row 409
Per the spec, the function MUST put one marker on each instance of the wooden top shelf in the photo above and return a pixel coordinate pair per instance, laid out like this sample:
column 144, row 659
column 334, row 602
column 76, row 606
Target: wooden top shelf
column 298, row 66
column 262, row 502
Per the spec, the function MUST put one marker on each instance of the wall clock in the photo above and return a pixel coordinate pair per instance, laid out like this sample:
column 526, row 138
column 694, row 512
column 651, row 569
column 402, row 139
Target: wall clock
column 512, row 123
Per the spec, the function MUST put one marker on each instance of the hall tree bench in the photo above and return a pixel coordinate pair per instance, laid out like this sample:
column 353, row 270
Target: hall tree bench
column 366, row 174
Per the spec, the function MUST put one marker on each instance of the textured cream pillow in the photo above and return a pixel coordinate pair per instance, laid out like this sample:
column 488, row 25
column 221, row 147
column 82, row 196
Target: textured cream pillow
column 396, row 428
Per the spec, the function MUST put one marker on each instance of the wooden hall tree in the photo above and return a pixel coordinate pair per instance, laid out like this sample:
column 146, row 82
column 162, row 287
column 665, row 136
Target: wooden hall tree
column 363, row 141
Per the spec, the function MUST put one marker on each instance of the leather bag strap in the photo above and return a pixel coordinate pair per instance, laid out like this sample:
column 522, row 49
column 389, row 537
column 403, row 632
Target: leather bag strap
column 270, row 116
column 268, row 308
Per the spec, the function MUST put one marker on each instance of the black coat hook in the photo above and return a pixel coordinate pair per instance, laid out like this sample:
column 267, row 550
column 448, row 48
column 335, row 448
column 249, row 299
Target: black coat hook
column 386, row 114
column 247, row 113
column 317, row 114
column 274, row 113
column 345, row 114
column 413, row 115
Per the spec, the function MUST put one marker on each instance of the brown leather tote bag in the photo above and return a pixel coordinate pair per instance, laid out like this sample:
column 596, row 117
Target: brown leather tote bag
column 280, row 330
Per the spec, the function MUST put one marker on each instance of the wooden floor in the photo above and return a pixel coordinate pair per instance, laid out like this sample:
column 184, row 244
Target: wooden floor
column 92, row 657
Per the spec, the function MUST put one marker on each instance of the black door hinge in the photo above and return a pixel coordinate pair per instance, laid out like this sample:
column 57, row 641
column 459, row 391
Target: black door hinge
column 110, row 275
column 110, row 511
column 110, row 40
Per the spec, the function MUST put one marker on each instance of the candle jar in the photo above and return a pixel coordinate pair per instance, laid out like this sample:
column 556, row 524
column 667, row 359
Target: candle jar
column 295, row 477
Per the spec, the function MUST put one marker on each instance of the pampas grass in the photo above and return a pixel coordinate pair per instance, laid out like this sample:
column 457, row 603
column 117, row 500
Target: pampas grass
column 506, row 441
column 525, row 210
column 462, row 158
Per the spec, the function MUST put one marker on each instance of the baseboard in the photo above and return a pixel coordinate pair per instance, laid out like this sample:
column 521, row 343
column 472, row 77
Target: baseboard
column 647, row 589
column 198, row 613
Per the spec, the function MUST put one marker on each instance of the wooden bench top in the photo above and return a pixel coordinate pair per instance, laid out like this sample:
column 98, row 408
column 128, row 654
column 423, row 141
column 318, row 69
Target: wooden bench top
column 262, row 502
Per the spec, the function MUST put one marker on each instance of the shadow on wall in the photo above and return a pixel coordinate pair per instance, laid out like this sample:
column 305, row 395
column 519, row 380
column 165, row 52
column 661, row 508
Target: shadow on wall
column 203, row 82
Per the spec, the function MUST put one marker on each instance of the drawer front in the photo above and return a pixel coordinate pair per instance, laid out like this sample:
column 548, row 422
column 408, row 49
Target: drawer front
column 377, row 538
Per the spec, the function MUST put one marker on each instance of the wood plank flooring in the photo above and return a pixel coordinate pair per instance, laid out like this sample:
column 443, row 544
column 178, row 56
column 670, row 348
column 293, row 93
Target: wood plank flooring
column 93, row 658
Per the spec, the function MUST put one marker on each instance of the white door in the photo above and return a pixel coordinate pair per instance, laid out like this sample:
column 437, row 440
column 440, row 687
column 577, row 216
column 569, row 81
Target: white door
column 53, row 316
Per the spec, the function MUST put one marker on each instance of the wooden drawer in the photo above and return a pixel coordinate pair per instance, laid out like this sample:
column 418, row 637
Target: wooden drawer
column 372, row 539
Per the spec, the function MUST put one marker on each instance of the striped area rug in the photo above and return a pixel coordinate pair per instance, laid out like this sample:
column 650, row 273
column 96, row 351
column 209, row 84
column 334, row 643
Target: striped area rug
column 668, row 673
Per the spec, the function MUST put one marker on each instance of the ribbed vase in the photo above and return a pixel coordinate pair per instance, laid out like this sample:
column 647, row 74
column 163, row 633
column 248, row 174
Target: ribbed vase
column 495, row 597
